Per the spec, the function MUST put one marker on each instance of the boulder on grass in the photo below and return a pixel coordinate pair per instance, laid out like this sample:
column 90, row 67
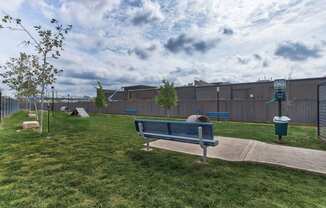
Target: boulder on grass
column 80, row 112
column 30, row 124
column 63, row 108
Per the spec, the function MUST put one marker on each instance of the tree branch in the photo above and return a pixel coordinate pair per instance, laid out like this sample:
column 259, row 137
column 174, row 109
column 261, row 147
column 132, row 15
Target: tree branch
column 30, row 35
column 12, row 28
column 22, row 29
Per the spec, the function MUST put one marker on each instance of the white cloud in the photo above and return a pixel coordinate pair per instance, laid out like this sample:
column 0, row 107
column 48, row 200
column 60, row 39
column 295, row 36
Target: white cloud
column 104, row 33
column 10, row 6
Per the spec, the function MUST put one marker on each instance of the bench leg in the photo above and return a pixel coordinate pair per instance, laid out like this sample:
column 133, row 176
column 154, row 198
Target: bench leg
column 204, row 158
column 202, row 145
column 141, row 132
column 147, row 145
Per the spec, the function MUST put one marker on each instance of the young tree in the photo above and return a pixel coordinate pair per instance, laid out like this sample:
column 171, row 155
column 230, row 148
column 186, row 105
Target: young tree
column 20, row 74
column 48, row 43
column 100, row 100
column 167, row 97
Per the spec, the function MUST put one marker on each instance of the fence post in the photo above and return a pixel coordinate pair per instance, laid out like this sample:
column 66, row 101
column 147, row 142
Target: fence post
column 9, row 105
column 6, row 107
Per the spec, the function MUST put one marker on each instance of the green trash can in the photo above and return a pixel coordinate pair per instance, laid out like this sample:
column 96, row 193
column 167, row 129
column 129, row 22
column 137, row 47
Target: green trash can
column 281, row 125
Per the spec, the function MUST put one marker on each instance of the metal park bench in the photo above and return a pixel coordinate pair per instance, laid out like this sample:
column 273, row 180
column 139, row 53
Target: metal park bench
column 219, row 115
column 181, row 131
column 131, row 111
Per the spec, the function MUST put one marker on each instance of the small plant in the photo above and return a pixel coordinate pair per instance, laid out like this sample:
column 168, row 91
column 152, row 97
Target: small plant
column 100, row 100
column 167, row 97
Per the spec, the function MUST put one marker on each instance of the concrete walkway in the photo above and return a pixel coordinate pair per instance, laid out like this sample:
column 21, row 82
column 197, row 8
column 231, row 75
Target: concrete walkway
column 233, row 149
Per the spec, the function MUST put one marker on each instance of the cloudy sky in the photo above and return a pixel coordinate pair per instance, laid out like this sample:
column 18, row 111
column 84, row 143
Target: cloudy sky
column 125, row 42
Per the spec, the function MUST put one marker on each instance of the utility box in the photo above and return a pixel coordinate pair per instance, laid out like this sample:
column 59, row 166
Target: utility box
column 281, row 125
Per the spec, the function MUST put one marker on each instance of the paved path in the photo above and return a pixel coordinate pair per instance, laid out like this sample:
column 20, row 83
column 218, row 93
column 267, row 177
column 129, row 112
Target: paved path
column 233, row 149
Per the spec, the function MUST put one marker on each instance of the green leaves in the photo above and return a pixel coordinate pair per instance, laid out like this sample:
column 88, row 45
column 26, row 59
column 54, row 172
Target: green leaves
column 37, row 27
column 168, row 95
column 100, row 100
column 7, row 19
column 20, row 75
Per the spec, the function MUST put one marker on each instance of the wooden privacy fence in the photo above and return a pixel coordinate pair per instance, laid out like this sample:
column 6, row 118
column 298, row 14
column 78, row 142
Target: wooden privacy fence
column 300, row 111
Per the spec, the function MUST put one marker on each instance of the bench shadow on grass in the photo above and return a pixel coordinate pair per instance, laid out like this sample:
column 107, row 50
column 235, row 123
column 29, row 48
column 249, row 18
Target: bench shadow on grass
column 172, row 163
column 179, row 164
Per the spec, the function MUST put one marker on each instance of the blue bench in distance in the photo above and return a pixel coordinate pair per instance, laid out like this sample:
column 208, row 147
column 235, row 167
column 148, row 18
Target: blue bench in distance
column 219, row 115
column 181, row 131
column 131, row 111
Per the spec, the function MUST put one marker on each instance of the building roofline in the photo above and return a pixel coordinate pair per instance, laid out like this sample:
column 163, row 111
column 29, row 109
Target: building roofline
column 222, row 84
column 142, row 89
column 266, row 82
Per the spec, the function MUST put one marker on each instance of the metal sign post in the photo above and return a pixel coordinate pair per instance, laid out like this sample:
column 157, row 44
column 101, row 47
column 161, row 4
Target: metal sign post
column 279, row 96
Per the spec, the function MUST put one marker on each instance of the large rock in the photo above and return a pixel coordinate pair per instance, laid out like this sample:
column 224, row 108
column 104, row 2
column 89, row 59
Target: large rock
column 80, row 112
column 30, row 124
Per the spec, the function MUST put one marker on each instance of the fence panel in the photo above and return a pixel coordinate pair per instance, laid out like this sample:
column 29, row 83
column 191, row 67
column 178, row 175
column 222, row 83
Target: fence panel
column 322, row 111
column 300, row 111
column 8, row 106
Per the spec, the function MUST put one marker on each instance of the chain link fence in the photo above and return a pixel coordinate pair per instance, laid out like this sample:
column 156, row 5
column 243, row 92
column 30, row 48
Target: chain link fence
column 8, row 106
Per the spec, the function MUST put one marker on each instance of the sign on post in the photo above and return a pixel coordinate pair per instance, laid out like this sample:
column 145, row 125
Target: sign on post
column 280, row 84
column 280, row 89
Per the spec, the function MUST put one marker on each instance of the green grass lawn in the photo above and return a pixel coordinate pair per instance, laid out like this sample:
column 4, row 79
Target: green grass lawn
column 299, row 136
column 97, row 162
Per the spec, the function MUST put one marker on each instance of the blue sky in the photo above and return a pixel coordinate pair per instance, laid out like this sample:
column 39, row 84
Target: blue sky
column 125, row 42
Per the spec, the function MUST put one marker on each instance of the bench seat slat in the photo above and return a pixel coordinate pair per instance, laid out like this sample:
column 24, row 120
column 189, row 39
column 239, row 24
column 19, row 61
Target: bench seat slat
column 181, row 139
column 176, row 128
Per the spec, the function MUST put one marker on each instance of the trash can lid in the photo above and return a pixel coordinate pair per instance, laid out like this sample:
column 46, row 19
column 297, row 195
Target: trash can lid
column 282, row 119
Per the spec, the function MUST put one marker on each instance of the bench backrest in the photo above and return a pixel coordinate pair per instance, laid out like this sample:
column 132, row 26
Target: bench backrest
column 221, row 115
column 131, row 111
column 176, row 128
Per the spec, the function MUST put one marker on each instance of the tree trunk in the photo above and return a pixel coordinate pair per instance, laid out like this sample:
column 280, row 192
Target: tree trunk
column 36, row 110
column 29, row 100
column 26, row 104
column 42, row 92
column 42, row 108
